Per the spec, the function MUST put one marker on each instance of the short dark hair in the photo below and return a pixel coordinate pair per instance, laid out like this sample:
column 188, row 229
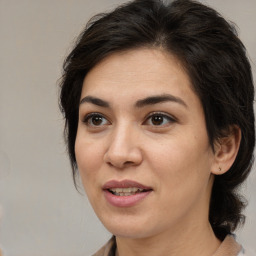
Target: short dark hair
column 213, row 57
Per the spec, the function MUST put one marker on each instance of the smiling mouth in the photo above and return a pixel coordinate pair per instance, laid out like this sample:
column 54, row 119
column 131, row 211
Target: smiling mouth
column 126, row 191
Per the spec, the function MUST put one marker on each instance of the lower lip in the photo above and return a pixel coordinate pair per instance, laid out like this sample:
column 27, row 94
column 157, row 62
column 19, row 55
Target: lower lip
column 125, row 201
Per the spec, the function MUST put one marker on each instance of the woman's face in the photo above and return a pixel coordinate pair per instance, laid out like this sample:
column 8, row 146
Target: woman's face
column 142, row 147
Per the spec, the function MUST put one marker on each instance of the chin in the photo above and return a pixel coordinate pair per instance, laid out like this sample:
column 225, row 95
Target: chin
column 132, row 233
column 129, row 227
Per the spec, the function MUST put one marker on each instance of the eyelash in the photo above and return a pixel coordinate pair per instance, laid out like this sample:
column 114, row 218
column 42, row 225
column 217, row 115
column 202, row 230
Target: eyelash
column 168, row 119
column 88, row 119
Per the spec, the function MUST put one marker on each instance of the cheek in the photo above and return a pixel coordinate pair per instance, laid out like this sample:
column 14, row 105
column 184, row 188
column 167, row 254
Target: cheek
column 89, row 159
column 183, row 165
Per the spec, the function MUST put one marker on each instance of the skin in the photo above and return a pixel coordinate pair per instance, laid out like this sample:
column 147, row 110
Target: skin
column 172, row 155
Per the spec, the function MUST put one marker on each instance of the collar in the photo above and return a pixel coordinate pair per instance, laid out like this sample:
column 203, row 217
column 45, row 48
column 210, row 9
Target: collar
column 229, row 246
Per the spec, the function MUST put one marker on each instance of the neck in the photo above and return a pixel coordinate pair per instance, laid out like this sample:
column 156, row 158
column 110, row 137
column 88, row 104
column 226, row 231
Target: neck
column 198, row 240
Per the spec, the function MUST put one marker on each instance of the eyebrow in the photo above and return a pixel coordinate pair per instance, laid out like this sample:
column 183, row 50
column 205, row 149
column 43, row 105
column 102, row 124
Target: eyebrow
column 159, row 99
column 95, row 101
column 151, row 100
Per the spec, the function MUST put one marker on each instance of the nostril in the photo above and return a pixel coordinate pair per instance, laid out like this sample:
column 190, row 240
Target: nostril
column 109, row 163
column 128, row 163
column 121, row 165
column 122, row 157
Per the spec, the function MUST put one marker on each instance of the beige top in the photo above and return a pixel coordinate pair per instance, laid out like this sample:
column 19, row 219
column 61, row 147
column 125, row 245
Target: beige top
column 229, row 247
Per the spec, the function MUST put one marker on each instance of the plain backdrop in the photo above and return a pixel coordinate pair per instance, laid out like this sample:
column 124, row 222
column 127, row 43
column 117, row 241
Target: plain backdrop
column 43, row 214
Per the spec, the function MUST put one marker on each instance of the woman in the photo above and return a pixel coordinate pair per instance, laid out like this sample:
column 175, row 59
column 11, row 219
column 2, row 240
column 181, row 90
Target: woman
column 158, row 103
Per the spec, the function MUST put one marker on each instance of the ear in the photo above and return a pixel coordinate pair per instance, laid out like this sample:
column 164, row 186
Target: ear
column 226, row 149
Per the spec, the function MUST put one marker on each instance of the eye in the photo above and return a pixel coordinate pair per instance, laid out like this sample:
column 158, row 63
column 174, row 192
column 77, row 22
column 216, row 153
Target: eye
column 95, row 120
column 159, row 119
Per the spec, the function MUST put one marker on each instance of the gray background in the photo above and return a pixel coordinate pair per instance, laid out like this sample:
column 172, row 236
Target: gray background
column 42, row 212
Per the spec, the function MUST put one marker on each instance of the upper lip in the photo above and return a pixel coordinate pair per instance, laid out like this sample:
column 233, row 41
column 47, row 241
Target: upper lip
column 124, row 184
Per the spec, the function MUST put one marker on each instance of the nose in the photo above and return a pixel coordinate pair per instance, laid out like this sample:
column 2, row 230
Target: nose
column 123, row 150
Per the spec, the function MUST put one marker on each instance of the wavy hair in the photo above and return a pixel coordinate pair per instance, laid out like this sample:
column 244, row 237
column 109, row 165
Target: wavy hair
column 215, row 60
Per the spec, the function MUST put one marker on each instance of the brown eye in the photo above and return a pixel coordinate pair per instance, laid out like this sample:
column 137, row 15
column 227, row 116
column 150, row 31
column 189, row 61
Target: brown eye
column 159, row 119
column 94, row 120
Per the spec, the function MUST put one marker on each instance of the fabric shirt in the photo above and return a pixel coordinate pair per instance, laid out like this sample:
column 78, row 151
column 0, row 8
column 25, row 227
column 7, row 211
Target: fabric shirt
column 229, row 247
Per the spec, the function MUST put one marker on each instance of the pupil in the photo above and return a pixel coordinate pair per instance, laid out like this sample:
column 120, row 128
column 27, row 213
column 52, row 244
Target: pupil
column 157, row 120
column 97, row 120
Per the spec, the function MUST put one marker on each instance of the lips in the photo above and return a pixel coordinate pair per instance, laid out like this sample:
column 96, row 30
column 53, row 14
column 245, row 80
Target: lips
column 125, row 193
column 125, row 185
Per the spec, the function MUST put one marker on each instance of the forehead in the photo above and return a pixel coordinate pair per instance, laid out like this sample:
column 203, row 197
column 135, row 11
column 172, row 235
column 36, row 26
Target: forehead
column 139, row 71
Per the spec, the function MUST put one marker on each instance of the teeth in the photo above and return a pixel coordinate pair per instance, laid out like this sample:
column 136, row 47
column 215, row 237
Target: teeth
column 125, row 191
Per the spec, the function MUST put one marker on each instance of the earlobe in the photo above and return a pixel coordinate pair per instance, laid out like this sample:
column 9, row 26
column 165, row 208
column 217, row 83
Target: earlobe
column 226, row 149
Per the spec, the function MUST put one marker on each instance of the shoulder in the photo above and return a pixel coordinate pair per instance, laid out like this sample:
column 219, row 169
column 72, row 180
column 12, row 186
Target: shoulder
column 230, row 244
column 247, row 252
column 108, row 249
